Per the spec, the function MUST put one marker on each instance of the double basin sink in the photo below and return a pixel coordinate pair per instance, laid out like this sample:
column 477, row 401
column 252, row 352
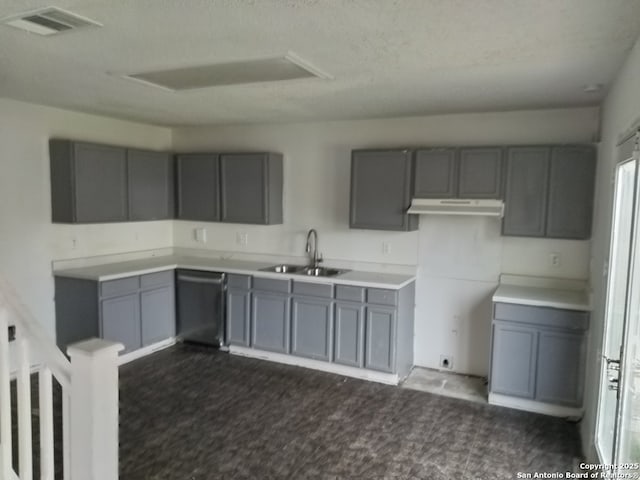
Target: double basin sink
column 304, row 270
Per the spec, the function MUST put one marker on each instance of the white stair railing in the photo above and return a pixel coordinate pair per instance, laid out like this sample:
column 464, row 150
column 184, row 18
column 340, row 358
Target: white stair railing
column 89, row 384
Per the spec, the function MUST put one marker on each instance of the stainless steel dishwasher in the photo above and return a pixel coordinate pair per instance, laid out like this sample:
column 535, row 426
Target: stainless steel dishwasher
column 201, row 307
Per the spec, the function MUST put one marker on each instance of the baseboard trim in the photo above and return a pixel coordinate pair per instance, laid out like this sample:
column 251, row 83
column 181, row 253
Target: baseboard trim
column 362, row 374
column 536, row 407
column 144, row 351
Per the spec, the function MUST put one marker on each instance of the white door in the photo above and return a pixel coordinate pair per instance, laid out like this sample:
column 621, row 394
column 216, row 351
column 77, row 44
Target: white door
column 614, row 435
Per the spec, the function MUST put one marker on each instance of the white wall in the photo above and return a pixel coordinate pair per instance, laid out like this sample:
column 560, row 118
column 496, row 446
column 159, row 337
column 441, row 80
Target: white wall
column 28, row 239
column 458, row 260
column 620, row 111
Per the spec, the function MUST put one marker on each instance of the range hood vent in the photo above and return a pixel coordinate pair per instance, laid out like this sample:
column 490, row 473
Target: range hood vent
column 49, row 21
column 454, row 206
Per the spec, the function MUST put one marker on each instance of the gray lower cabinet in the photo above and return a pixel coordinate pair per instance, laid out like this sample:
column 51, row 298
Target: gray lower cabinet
column 380, row 338
column 538, row 353
column 312, row 328
column 270, row 321
column 251, row 188
column 150, row 185
column 88, row 182
column 513, row 367
column 381, row 190
column 349, row 334
column 198, row 187
column 136, row 311
column 571, row 184
column 238, row 317
column 120, row 321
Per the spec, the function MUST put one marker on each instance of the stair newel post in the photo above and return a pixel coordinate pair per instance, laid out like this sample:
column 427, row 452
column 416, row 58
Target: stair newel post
column 93, row 428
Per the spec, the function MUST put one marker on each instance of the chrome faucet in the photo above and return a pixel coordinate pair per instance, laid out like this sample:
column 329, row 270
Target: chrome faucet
column 317, row 258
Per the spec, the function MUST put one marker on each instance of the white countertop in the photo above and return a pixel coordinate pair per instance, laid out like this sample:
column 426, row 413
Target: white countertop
column 113, row 271
column 543, row 297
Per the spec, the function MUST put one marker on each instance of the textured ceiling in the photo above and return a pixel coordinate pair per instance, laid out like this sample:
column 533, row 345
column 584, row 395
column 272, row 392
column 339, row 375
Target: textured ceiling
column 387, row 57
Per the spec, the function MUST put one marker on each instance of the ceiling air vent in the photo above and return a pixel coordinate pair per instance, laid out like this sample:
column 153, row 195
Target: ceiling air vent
column 48, row 21
column 288, row 67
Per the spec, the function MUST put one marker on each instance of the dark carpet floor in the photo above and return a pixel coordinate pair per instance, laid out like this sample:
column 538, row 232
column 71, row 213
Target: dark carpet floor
column 191, row 414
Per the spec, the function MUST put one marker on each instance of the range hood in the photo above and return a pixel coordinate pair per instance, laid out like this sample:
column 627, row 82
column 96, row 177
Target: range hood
column 457, row 206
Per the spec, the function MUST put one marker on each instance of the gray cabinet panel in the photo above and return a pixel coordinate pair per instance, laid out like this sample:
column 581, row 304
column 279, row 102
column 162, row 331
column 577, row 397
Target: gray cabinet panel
column 480, row 173
column 544, row 316
column 151, row 185
column 347, row 292
column 349, row 334
column 382, row 296
column 312, row 328
column 77, row 310
column 100, row 183
column 271, row 284
column 198, row 187
column 380, row 338
column 313, row 289
column 239, row 281
column 238, row 317
column 435, row 173
column 513, row 360
column 526, row 191
column 381, row 190
column 157, row 312
column 270, row 321
column 559, row 373
column 157, row 279
column 120, row 320
column 251, row 188
column 120, row 286
column 571, row 184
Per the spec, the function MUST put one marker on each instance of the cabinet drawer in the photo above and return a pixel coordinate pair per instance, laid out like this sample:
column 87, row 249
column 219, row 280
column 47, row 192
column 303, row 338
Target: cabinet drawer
column 353, row 294
column 157, row 279
column 550, row 317
column 313, row 289
column 271, row 285
column 382, row 297
column 239, row 281
column 120, row 286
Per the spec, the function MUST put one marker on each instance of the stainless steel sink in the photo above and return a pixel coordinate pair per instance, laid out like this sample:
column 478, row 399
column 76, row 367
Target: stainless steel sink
column 322, row 272
column 284, row 268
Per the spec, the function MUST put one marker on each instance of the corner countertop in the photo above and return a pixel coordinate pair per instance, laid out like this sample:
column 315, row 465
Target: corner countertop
column 543, row 296
column 114, row 271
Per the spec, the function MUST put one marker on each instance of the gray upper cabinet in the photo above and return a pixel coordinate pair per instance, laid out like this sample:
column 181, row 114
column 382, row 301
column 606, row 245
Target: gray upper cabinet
column 480, row 173
column 150, row 185
column 251, row 188
column 380, row 338
column 571, row 185
column 88, row 182
column 435, row 173
column 381, row 190
column 526, row 191
column 312, row 327
column 198, row 187
column 514, row 356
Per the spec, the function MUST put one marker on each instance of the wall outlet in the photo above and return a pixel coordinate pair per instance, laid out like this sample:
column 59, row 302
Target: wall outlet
column 446, row 362
column 554, row 260
column 200, row 235
column 242, row 239
column 74, row 243
column 386, row 248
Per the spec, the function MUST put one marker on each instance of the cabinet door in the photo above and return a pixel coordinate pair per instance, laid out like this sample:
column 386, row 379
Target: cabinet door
column 435, row 173
column 150, row 176
column 571, row 183
column 243, row 185
column 198, row 187
column 238, row 317
column 381, row 190
column 380, row 339
column 270, row 321
column 559, row 373
column 158, row 314
column 121, row 321
column 312, row 328
column 480, row 173
column 349, row 334
column 513, row 360
column 100, row 183
column 526, row 192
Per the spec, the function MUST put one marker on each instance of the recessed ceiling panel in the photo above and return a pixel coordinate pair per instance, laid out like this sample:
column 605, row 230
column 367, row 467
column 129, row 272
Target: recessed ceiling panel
column 231, row 73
